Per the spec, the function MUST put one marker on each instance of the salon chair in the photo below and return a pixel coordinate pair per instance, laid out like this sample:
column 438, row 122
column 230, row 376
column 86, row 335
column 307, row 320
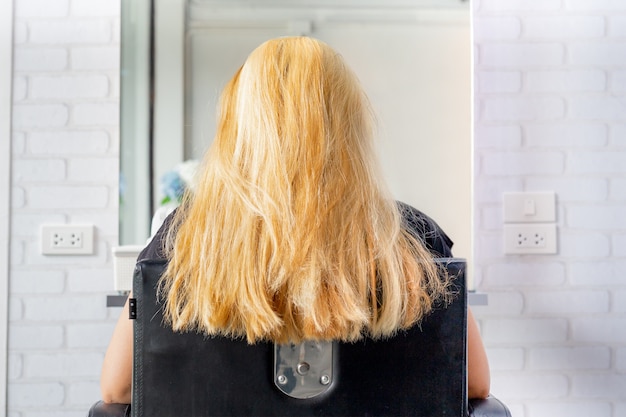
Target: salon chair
column 418, row 372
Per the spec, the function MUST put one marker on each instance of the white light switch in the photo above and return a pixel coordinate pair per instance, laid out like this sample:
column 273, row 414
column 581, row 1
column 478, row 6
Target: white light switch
column 530, row 207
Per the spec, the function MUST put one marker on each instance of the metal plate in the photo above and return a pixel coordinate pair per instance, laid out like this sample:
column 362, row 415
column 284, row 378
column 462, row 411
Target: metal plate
column 304, row 370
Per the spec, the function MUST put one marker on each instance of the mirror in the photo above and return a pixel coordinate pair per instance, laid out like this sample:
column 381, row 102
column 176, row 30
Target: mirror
column 413, row 58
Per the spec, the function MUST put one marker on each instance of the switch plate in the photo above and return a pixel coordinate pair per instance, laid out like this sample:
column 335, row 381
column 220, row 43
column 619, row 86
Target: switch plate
column 530, row 207
column 530, row 238
column 67, row 239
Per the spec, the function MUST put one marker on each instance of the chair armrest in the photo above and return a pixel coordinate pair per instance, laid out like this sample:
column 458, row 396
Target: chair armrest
column 489, row 407
column 102, row 409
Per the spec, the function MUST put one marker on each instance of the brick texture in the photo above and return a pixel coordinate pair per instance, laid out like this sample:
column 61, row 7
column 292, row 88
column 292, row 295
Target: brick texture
column 64, row 170
column 550, row 96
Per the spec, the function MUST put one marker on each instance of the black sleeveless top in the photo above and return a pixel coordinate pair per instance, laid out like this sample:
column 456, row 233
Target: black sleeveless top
column 417, row 223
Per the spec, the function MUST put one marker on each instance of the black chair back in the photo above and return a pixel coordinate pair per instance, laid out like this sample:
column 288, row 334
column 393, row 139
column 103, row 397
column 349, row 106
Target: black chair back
column 420, row 372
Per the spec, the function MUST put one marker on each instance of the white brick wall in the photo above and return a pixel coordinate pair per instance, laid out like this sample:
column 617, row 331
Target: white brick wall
column 65, row 164
column 550, row 85
column 550, row 92
column 40, row 59
column 41, row 8
column 70, row 31
column 39, row 115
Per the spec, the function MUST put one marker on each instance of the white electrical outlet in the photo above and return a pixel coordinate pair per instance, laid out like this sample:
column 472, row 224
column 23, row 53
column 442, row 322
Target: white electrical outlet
column 539, row 238
column 66, row 239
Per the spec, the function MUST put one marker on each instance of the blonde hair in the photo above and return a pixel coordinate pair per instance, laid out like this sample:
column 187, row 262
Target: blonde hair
column 290, row 234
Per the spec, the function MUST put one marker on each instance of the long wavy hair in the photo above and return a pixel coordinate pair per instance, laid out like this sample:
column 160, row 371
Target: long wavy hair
column 290, row 234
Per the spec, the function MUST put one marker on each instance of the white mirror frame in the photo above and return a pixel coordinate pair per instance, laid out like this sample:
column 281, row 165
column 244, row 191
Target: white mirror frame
column 6, row 82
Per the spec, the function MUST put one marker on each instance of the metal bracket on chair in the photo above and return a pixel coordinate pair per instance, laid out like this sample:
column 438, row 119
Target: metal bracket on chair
column 304, row 370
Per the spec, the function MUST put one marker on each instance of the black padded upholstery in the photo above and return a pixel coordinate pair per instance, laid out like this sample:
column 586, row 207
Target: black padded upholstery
column 489, row 407
column 418, row 372
column 102, row 409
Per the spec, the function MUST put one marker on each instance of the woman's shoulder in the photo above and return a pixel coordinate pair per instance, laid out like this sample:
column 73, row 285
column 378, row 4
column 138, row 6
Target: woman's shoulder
column 155, row 250
column 426, row 230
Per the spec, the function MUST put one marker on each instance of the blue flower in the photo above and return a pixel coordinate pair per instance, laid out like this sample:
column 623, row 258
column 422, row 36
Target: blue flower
column 172, row 186
column 174, row 183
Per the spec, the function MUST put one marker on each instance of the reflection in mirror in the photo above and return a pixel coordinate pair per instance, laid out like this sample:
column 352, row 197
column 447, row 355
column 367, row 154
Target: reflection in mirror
column 412, row 56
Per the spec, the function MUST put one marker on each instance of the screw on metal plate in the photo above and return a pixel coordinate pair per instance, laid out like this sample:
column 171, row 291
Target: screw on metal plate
column 303, row 368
